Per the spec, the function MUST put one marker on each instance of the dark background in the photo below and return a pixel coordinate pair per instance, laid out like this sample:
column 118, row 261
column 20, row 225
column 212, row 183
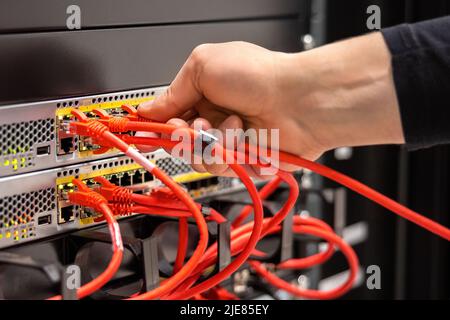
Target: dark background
column 414, row 263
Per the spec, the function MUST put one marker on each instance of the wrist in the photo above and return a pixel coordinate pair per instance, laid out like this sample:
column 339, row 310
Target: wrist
column 344, row 93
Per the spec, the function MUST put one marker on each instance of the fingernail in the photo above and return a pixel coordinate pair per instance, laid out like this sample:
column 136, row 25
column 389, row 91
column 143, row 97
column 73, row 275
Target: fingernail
column 146, row 105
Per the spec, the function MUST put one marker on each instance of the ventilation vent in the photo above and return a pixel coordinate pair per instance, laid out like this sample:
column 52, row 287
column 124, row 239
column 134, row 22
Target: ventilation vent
column 173, row 166
column 19, row 138
column 21, row 209
column 103, row 165
column 107, row 98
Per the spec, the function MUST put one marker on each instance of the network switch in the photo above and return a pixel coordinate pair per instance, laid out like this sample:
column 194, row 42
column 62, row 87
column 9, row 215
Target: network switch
column 33, row 138
column 35, row 205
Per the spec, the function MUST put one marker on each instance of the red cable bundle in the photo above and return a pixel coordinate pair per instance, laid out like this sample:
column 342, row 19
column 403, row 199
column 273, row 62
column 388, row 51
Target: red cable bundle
column 182, row 284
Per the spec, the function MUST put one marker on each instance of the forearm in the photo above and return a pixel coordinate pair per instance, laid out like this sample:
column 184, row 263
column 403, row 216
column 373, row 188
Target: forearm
column 348, row 95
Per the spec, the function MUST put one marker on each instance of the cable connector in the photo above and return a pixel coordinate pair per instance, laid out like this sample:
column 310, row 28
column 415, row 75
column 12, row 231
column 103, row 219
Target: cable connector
column 86, row 197
column 133, row 114
column 119, row 198
column 163, row 197
column 113, row 193
column 86, row 127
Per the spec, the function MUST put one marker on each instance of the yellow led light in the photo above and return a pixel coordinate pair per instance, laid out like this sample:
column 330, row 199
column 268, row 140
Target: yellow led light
column 8, row 235
column 6, row 162
column 1, row 236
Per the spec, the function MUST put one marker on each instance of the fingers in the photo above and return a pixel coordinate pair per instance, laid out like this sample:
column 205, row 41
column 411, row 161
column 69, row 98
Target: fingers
column 232, row 122
column 180, row 123
column 145, row 148
column 182, row 94
column 197, row 162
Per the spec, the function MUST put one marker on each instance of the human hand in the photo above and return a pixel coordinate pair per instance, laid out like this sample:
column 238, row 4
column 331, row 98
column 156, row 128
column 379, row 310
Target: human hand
column 319, row 100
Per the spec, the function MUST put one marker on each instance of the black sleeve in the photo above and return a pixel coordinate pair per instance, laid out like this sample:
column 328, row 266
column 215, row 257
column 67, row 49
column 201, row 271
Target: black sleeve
column 421, row 68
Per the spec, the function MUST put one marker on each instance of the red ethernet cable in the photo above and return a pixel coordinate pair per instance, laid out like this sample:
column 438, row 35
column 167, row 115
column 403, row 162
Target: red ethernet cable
column 183, row 237
column 211, row 253
column 127, row 125
column 316, row 228
column 265, row 191
column 369, row 193
column 84, row 196
column 100, row 132
column 301, row 226
column 290, row 264
column 360, row 188
column 246, row 251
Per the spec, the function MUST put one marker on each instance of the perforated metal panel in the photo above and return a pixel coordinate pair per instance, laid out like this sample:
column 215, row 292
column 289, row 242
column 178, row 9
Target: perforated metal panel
column 19, row 138
column 30, row 135
column 173, row 166
column 22, row 208
column 18, row 212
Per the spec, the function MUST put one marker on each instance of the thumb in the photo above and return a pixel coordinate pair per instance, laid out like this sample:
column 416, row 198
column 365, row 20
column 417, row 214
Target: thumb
column 181, row 96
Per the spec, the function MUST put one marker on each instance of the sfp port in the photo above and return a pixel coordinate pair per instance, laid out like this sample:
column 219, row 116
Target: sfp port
column 148, row 176
column 189, row 185
column 204, row 183
column 125, row 180
column 138, row 177
column 114, row 179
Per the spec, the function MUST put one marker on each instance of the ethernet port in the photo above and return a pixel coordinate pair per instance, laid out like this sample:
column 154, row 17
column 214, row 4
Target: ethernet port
column 138, row 177
column 92, row 184
column 114, row 180
column 189, row 185
column 148, row 176
column 66, row 214
column 66, row 146
column 125, row 180
column 204, row 183
column 88, row 213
